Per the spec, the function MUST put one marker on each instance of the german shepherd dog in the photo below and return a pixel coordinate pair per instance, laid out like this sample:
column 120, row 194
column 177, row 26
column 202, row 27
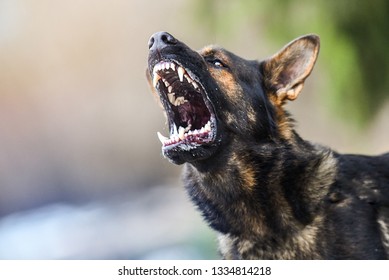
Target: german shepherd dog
column 266, row 191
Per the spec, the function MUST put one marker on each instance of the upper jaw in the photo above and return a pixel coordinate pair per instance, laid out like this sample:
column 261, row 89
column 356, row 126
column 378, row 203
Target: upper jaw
column 190, row 113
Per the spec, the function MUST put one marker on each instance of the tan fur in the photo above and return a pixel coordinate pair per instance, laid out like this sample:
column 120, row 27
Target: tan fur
column 246, row 171
column 289, row 68
column 305, row 240
column 284, row 125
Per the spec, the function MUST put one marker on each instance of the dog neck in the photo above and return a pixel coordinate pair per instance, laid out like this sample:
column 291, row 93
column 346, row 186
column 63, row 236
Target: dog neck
column 265, row 191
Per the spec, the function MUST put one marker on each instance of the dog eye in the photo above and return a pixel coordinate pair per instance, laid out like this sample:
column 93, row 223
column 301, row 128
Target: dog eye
column 217, row 63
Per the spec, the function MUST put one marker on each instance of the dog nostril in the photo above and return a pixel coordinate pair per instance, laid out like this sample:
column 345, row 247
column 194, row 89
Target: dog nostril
column 168, row 39
column 151, row 42
column 164, row 38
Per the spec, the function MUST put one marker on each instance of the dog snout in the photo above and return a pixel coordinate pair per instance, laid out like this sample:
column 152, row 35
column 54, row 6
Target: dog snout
column 160, row 40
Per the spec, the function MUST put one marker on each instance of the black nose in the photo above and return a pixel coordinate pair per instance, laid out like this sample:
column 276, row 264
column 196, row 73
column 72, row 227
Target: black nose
column 160, row 40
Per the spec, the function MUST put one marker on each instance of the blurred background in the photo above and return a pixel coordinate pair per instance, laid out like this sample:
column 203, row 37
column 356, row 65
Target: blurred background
column 81, row 171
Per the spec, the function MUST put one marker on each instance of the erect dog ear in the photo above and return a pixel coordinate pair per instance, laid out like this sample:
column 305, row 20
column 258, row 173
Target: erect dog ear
column 286, row 71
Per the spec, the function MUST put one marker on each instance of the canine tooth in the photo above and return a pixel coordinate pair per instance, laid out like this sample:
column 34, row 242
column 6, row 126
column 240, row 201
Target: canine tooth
column 180, row 72
column 181, row 132
column 188, row 78
column 156, row 78
column 194, row 84
column 162, row 138
column 208, row 126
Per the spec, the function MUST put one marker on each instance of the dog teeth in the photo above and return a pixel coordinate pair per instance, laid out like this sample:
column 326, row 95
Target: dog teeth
column 171, row 98
column 157, row 67
column 180, row 72
column 180, row 134
column 208, row 126
column 176, row 101
column 179, row 100
column 156, row 78
column 194, row 84
column 162, row 138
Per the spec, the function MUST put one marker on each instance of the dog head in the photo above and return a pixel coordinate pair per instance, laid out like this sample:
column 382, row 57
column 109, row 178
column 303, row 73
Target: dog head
column 213, row 96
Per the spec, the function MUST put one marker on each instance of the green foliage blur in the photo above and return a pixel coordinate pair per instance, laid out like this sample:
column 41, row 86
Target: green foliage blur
column 354, row 44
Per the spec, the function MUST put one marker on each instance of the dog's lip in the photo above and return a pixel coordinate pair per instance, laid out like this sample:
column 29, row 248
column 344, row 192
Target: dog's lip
column 186, row 138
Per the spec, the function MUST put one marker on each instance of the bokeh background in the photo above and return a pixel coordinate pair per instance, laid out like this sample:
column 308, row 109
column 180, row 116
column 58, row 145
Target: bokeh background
column 81, row 171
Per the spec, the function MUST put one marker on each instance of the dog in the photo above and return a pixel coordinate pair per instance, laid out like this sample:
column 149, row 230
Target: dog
column 267, row 192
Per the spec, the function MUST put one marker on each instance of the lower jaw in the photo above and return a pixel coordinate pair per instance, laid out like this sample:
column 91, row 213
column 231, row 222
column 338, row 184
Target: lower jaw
column 189, row 152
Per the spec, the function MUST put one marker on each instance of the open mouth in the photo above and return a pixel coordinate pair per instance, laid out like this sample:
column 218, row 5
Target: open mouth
column 190, row 113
